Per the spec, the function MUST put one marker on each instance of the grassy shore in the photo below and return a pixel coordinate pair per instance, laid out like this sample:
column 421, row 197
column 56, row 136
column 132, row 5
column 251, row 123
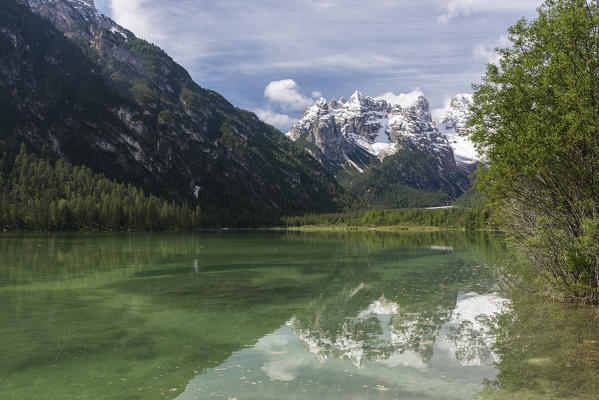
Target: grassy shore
column 346, row 228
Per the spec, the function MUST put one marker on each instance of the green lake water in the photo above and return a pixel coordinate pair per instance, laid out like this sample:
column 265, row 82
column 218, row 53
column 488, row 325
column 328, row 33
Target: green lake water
column 263, row 315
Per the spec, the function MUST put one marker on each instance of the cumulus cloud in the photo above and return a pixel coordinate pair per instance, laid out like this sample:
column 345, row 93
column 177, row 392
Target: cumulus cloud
column 334, row 46
column 481, row 53
column 133, row 15
column 437, row 113
column 321, row 4
column 489, row 55
column 280, row 121
column 284, row 97
column 286, row 94
column 463, row 8
column 148, row 21
column 402, row 99
column 456, row 8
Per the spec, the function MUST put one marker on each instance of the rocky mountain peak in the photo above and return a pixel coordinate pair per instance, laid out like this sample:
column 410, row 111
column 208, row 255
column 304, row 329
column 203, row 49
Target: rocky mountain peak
column 380, row 145
column 123, row 107
column 80, row 21
column 370, row 126
column 457, row 115
column 464, row 98
column 423, row 104
column 453, row 124
column 423, row 109
column 334, row 104
column 356, row 102
column 70, row 16
column 321, row 103
column 357, row 96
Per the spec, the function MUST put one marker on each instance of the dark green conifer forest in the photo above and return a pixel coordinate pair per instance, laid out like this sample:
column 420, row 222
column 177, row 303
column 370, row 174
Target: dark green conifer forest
column 38, row 195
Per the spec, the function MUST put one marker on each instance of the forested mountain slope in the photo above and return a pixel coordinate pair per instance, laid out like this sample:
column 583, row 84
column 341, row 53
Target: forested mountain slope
column 74, row 85
column 43, row 196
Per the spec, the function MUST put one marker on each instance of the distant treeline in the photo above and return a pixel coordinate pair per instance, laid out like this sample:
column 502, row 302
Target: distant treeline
column 466, row 218
column 38, row 195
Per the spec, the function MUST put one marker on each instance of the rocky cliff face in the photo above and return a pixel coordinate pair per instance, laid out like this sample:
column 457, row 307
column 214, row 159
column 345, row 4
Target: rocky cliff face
column 453, row 124
column 371, row 124
column 336, row 131
column 75, row 85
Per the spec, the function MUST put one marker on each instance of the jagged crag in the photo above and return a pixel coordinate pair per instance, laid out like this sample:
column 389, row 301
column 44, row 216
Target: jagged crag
column 392, row 156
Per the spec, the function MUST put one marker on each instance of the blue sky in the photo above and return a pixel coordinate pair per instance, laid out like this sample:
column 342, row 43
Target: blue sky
column 275, row 57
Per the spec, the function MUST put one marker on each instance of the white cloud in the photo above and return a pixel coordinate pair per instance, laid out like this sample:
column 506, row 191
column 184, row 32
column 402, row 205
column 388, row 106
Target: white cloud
column 147, row 21
column 358, row 61
column 321, row 4
column 284, row 97
column 235, row 47
column 403, row 99
column 438, row 112
column 281, row 121
column 143, row 21
column 504, row 41
column 489, row 55
column 286, row 94
column 463, row 8
column 481, row 53
column 456, row 8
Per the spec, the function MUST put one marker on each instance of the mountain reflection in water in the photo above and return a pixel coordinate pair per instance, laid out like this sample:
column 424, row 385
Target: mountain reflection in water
column 360, row 342
column 265, row 315
column 382, row 333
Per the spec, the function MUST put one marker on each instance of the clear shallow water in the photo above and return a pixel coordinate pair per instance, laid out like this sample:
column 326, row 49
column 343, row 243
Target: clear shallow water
column 283, row 316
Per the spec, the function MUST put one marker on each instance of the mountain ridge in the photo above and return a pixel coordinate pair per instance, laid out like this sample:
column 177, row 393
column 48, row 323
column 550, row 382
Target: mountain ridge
column 453, row 123
column 354, row 138
column 82, row 88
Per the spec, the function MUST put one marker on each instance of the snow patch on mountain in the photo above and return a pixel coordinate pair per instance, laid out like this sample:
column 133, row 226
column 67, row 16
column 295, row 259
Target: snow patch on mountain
column 453, row 124
column 372, row 124
column 65, row 12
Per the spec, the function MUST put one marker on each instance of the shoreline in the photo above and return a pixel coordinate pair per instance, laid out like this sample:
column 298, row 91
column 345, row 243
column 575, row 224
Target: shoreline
column 357, row 228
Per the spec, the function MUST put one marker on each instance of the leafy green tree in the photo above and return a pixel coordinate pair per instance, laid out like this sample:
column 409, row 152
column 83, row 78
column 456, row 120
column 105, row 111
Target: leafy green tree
column 536, row 117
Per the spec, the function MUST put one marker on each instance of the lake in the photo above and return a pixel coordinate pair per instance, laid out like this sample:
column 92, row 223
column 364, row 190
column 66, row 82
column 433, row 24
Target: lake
column 267, row 315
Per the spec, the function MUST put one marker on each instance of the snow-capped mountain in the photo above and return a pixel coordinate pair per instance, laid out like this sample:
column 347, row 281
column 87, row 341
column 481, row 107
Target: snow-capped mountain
column 453, row 124
column 66, row 13
column 340, row 129
column 382, row 147
column 380, row 129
